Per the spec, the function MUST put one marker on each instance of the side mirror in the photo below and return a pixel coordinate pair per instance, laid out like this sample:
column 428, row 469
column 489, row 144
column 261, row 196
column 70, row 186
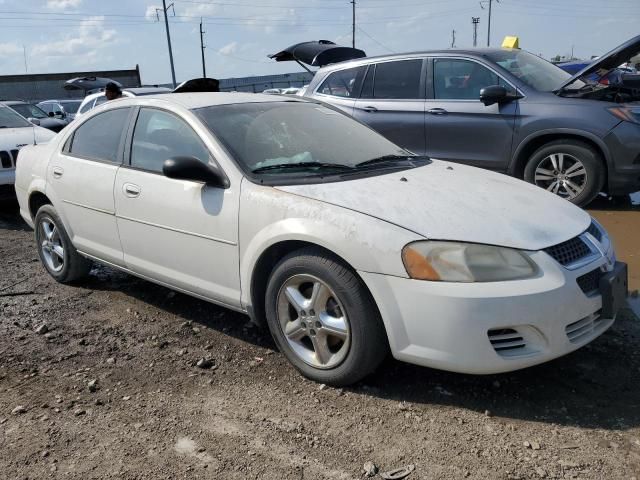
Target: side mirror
column 35, row 121
column 495, row 94
column 58, row 114
column 190, row 168
column 51, row 114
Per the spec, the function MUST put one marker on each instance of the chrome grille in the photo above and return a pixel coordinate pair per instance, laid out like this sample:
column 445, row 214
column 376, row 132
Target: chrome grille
column 569, row 252
column 5, row 159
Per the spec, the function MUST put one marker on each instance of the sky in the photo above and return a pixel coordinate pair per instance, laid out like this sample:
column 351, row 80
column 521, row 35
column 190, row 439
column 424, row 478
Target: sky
column 81, row 35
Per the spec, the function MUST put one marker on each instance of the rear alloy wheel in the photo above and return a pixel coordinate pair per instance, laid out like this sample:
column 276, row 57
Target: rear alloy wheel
column 57, row 253
column 323, row 318
column 568, row 168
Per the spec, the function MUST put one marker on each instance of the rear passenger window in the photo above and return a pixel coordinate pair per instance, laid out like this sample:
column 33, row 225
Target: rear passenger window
column 399, row 79
column 462, row 79
column 99, row 137
column 159, row 136
column 87, row 106
column 344, row 83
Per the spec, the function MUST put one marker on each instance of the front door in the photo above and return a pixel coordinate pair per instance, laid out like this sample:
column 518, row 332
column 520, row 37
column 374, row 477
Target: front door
column 392, row 102
column 181, row 233
column 459, row 126
column 82, row 176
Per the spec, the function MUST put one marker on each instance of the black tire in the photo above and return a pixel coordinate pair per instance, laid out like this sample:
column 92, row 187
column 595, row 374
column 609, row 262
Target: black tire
column 587, row 155
column 74, row 266
column 368, row 345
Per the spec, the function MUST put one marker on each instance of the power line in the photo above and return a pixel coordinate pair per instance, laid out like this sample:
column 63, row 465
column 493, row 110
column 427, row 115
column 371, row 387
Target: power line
column 376, row 41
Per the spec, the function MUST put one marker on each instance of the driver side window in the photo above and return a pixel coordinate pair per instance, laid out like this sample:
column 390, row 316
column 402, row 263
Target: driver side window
column 456, row 79
column 160, row 135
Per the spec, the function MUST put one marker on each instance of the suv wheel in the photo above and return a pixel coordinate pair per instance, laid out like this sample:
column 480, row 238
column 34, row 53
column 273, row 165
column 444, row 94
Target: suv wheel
column 323, row 318
column 57, row 253
column 571, row 169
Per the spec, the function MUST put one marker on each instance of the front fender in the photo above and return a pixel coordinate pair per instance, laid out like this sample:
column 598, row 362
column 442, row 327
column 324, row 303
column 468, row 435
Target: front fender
column 569, row 132
column 269, row 216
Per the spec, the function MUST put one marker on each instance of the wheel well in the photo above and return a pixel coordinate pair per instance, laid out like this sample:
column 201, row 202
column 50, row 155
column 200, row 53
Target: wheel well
column 36, row 200
column 534, row 144
column 265, row 265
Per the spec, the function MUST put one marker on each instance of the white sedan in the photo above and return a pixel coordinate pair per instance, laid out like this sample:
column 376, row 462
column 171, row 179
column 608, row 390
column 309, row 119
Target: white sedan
column 345, row 244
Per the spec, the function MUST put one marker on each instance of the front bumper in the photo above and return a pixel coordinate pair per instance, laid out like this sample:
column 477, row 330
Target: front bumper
column 484, row 328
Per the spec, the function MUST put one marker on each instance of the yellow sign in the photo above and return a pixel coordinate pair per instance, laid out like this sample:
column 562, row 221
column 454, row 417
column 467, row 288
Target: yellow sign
column 511, row 42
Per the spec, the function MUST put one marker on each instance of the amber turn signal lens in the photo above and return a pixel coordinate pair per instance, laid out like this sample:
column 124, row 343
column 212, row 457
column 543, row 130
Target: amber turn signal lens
column 418, row 267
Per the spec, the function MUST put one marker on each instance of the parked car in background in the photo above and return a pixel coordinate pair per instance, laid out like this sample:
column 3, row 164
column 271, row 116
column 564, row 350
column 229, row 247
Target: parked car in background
column 95, row 99
column 15, row 133
column 36, row 115
column 65, row 109
column 294, row 213
column 290, row 91
column 272, row 91
column 503, row 109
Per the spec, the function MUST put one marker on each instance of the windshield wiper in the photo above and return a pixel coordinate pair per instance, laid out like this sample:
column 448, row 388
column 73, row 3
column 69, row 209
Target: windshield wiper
column 385, row 159
column 285, row 166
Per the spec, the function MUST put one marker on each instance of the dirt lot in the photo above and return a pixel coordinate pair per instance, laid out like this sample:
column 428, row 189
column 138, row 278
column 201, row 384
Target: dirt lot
column 111, row 390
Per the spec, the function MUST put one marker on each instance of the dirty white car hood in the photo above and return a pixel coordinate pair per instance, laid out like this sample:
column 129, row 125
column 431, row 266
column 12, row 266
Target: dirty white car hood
column 446, row 201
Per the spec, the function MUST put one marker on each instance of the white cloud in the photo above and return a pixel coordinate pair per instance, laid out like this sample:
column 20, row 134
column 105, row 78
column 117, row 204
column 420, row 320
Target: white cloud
column 84, row 42
column 63, row 4
column 9, row 49
column 229, row 48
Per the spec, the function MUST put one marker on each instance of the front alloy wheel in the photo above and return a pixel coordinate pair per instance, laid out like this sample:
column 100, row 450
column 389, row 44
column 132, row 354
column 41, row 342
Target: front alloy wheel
column 323, row 318
column 313, row 321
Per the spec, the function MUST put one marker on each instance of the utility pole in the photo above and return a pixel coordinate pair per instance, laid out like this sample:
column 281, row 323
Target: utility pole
column 24, row 51
column 490, row 2
column 202, row 47
column 453, row 39
column 475, row 21
column 166, row 25
column 353, row 24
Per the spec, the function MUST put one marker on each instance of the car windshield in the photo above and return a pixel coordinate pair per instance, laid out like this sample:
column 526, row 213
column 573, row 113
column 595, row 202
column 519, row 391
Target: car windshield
column 532, row 70
column 276, row 137
column 10, row 119
column 28, row 111
column 71, row 107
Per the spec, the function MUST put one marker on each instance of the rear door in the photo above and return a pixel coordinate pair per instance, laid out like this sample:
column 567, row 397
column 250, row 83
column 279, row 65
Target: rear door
column 341, row 88
column 392, row 102
column 459, row 126
column 181, row 233
column 82, row 176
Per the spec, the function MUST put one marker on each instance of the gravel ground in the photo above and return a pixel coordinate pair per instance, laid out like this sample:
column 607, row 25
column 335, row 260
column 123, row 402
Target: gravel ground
column 101, row 380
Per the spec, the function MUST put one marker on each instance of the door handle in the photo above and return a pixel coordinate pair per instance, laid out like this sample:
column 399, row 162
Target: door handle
column 370, row 109
column 437, row 111
column 57, row 172
column 131, row 190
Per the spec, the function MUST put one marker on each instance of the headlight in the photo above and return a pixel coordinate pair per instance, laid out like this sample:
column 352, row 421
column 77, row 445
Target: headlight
column 465, row 262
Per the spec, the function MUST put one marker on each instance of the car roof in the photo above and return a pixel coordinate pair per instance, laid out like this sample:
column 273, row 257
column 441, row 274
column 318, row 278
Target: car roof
column 473, row 52
column 143, row 90
column 208, row 99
